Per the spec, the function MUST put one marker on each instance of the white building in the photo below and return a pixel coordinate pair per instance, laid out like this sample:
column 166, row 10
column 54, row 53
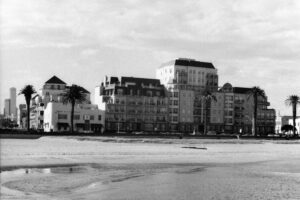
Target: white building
column 87, row 118
column 297, row 125
column 50, row 99
column 186, row 80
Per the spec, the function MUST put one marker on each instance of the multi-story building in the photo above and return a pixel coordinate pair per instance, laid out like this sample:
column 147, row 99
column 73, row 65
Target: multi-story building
column 10, row 110
column 13, row 103
column 232, row 112
column 22, row 115
column 87, row 118
column 6, row 108
column 186, row 81
column 133, row 104
column 52, row 92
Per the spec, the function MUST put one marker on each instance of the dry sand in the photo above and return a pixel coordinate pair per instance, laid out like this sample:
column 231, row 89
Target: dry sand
column 120, row 168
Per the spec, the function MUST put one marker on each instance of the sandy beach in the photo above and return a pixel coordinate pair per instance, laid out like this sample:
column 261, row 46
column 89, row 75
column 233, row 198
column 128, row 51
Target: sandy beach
column 137, row 168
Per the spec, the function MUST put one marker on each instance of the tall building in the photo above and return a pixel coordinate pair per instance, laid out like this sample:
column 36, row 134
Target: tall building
column 6, row 108
column 13, row 103
column 133, row 104
column 186, row 81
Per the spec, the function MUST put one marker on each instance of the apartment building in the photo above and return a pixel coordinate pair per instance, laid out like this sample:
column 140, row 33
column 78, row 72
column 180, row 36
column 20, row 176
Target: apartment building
column 186, row 80
column 233, row 112
column 133, row 104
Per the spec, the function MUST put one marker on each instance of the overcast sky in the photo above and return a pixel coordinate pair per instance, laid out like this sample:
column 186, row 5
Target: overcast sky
column 251, row 43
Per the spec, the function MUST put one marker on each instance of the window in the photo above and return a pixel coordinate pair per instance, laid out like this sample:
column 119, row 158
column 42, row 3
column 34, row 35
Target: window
column 175, row 94
column 62, row 116
column 175, row 102
column 120, row 91
column 175, row 119
column 175, row 110
column 91, row 117
column 76, row 117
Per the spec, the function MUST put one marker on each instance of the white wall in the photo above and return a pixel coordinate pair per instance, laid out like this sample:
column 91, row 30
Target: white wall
column 54, row 109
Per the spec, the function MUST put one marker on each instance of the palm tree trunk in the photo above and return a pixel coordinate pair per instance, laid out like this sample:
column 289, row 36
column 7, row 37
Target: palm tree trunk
column 294, row 118
column 28, row 116
column 72, row 116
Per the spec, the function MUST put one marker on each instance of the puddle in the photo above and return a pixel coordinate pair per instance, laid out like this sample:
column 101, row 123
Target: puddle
column 48, row 170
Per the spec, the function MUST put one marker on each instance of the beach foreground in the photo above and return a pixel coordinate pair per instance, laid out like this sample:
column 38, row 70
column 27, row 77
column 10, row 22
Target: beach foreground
column 120, row 168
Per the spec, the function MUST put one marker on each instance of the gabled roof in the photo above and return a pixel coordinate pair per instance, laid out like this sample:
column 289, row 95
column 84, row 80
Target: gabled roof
column 190, row 63
column 55, row 80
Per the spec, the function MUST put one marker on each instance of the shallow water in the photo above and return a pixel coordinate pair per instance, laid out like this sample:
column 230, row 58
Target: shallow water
column 71, row 169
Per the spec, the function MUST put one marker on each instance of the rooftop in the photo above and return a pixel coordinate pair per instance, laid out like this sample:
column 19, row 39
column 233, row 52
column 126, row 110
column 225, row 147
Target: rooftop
column 189, row 62
column 55, row 80
column 241, row 90
column 139, row 81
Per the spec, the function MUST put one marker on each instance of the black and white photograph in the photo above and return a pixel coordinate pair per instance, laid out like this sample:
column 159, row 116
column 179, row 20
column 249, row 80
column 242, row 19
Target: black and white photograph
column 149, row 99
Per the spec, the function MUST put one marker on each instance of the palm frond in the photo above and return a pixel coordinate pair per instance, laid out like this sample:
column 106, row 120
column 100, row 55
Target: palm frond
column 292, row 100
column 74, row 94
column 256, row 91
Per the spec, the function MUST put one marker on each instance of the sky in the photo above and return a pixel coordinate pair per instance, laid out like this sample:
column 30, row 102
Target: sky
column 251, row 43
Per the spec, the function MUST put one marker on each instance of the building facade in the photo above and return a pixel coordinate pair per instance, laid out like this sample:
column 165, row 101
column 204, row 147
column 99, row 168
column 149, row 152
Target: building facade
column 50, row 99
column 133, row 104
column 232, row 112
column 22, row 115
column 6, row 108
column 13, row 103
column 186, row 80
column 87, row 118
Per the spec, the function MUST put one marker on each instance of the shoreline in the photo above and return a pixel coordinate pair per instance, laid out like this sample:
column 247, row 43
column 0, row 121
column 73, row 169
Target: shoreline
column 29, row 135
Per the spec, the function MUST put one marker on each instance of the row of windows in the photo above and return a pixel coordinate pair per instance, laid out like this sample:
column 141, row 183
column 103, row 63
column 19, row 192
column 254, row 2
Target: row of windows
column 52, row 87
column 78, row 117
column 138, row 92
column 147, row 102
column 173, row 102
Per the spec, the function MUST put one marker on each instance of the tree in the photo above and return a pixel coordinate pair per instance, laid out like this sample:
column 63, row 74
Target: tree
column 293, row 100
column 207, row 97
column 287, row 128
column 28, row 91
column 74, row 94
column 255, row 92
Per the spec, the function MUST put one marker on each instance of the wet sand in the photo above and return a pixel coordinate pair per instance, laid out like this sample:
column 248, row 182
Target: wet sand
column 105, row 168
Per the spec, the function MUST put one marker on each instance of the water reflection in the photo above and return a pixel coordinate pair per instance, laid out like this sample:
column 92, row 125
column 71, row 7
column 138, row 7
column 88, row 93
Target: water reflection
column 49, row 170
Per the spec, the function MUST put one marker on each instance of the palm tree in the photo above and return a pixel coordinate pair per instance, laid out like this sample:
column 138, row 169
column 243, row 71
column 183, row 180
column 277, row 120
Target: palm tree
column 74, row 94
column 255, row 92
column 293, row 100
column 207, row 97
column 28, row 91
